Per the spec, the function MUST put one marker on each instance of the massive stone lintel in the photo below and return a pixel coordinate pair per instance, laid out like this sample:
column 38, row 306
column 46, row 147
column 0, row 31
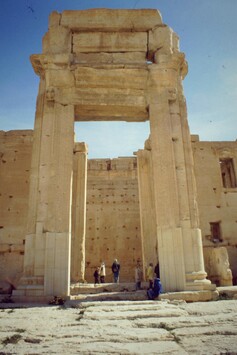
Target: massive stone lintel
column 109, row 20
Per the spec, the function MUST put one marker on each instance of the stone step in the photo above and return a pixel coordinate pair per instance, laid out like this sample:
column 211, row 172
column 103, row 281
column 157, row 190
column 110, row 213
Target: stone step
column 83, row 288
column 187, row 296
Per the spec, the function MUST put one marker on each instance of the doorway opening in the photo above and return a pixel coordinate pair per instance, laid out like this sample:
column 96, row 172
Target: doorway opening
column 112, row 205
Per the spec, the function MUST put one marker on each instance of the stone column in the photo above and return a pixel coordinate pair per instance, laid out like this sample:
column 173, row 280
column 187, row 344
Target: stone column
column 147, row 207
column 79, row 212
column 55, row 201
column 193, row 248
column 47, row 252
column 33, row 278
column 179, row 239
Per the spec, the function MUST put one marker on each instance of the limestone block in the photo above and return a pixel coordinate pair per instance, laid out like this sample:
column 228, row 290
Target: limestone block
column 54, row 19
column 109, row 42
column 57, row 40
column 111, row 20
column 161, row 40
column 57, row 264
column 110, row 58
column 108, row 96
column 80, row 147
column 171, row 258
column 160, row 78
column 111, row 113
column 113, row 78
column 199, row 296
column 59, row 78
column 220, row 267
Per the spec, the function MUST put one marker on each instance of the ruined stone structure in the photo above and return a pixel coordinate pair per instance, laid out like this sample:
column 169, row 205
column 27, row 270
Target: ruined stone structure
column 105, row 65
column 215, row 172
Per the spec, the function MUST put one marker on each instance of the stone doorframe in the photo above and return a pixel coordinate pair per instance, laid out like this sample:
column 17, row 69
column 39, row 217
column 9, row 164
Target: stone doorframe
column 104, row 64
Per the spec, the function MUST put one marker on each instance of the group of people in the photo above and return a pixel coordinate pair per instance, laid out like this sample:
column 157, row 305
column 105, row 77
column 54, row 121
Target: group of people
column 153, row 277
column 99, row 274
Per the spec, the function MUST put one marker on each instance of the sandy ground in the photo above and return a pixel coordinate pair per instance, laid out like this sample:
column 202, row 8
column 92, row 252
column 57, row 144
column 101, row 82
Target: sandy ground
column 122, row 327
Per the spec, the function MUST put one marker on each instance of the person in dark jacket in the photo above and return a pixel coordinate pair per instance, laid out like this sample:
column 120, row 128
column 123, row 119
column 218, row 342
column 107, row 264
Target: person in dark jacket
column 156, row 289
column 116, row 270
column 97, row 275
column 157, row 270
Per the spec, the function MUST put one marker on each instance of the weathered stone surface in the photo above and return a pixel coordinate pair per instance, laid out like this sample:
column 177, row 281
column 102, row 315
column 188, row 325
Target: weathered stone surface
column 15, row 155
column 125, row 327
column 78, row 253
column 111, row 20
column 121, row 78
column 111, row 113
column 216, row 203
column 59, row 78
column 113, row 222
column 218, row 264
column 161, row 39
column 109, row 42
column 57, row 40
column 110, row 58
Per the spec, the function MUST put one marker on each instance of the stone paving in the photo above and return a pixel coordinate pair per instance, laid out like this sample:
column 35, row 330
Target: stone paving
column 120, row 327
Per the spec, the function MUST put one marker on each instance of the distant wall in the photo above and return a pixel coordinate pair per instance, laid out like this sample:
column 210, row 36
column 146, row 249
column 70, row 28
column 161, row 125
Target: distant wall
column 217, row 204
column 113, row 221
column 15, row 160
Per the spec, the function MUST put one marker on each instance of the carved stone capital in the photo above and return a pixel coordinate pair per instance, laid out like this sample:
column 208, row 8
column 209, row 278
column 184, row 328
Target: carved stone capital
column 174, row 61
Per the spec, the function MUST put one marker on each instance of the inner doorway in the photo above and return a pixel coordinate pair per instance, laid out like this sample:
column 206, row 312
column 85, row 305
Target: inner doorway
column 112, row 206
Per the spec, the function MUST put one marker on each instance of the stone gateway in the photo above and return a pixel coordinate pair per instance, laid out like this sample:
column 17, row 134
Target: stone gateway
column 73, row 213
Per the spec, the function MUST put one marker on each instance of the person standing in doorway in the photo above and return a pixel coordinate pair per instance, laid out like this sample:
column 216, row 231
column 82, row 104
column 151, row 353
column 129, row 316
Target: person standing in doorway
column 116, row 270
column 102, row 273
column 150, row 275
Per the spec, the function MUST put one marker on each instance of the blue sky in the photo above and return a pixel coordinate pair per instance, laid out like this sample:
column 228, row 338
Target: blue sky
column 208, row 37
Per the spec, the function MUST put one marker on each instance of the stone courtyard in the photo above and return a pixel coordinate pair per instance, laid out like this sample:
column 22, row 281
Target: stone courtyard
column 120, row 327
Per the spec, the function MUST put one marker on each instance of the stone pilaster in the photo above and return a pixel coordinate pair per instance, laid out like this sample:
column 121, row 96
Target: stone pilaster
column 47, row 251
column 79, row 212
column 147, row 208
column 179, row 239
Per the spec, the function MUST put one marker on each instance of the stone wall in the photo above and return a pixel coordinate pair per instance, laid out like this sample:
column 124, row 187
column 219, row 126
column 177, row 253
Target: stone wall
column 15, row 161
column 217, row 203
column 113, row 221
